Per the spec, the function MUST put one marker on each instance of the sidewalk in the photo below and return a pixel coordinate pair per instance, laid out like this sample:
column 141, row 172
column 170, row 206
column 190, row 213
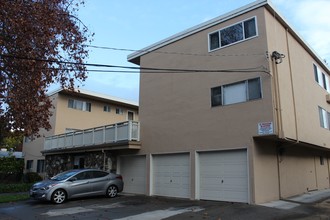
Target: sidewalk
column 295, row 201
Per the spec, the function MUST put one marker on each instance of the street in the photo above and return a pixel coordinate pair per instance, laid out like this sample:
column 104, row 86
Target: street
column 135, row 207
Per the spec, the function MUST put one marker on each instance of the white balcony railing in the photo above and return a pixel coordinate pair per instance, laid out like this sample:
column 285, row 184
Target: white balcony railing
column 125, row 131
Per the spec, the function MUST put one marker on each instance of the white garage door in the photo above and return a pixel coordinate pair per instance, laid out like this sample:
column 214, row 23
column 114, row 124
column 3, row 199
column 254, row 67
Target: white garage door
column 223, row 176
column 171, row 175
column 133, row 170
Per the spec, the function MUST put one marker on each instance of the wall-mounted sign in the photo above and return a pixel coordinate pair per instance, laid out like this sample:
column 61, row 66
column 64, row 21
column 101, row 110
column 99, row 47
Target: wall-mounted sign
column 265, row 128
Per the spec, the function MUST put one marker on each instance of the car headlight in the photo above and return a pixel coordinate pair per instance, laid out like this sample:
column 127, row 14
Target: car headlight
column 49, row 186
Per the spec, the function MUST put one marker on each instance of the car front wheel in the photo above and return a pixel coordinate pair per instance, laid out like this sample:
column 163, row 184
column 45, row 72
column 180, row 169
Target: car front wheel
column 112, row 191
column 59, row 196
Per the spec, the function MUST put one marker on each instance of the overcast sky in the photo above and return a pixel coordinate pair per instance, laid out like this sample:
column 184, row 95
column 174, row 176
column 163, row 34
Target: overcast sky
column 127, row 24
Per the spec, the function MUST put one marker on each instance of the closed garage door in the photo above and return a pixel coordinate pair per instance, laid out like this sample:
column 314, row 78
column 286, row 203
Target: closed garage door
column 171, row 175
column 133, row 170
column 223, row 176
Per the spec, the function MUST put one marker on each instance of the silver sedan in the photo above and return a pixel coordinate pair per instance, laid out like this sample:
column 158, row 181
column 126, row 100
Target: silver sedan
column 77, row 183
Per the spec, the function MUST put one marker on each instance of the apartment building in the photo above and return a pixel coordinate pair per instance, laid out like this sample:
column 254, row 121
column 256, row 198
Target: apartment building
column 243, row 116
column 88, row 129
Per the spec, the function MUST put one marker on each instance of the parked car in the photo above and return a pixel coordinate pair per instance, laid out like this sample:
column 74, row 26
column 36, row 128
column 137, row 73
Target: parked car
column 77, row 183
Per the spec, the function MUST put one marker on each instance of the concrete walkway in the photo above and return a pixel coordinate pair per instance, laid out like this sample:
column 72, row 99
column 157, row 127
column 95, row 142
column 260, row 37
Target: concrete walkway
column 295, row 201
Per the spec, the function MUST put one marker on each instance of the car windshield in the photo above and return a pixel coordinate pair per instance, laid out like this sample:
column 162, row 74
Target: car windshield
column 64, row 175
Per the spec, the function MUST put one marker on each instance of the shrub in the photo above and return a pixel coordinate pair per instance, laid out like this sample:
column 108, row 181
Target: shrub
column 11, row 169
column 32, row 177
column 11, row 165
column 15, row 187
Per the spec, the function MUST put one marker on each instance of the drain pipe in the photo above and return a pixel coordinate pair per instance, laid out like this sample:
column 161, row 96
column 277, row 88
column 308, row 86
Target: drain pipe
column 277, row 94
column 292, row 88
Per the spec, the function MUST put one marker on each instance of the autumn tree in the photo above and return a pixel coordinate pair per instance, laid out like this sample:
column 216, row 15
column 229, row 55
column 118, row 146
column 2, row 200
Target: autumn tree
column 41, row 42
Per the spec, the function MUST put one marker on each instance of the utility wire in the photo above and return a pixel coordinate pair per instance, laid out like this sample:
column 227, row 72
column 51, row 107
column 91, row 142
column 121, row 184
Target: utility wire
column 144, row 69
column 174, row 53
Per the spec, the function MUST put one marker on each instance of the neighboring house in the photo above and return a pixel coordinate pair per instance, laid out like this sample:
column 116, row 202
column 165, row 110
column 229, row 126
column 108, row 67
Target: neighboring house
column 248, row 119
column 88, row 130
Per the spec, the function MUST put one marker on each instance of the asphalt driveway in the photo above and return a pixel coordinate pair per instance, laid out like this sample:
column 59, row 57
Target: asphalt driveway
column 137, row 207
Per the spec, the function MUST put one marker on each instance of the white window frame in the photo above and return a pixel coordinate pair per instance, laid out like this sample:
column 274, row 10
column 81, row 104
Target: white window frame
column 228, row 45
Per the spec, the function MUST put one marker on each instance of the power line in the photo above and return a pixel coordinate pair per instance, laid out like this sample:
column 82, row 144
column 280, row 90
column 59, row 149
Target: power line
column 143, row 69
column 173, row 53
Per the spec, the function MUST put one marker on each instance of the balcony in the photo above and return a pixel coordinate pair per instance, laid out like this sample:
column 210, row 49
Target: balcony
column 104, row 136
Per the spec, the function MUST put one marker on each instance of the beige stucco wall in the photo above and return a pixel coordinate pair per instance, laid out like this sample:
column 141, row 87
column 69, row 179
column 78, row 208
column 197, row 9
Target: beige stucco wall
column 32, row 148
column 301, row 171
column 299, row 168
column 175, row 108
column 266, row 178
column 176, row 113
column 77, row 119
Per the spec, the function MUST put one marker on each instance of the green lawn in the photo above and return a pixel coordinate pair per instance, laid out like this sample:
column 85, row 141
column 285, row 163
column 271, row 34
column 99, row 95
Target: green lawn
column 12, row 192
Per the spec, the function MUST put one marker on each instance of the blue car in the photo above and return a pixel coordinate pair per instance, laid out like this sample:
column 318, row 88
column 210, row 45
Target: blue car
column 78, row 183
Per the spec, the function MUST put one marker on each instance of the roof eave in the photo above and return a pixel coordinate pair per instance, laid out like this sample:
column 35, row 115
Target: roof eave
column 97, row 96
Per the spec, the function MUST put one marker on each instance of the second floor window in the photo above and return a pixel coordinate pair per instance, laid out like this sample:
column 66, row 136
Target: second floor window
column 80, row 105
column 119, row 111
column 106, row 108
column 236, row 92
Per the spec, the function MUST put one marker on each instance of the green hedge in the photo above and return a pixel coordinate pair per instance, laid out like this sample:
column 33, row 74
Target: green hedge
column 11, row 165
column 11, row 169
column 15, row 187
column 32, row 177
